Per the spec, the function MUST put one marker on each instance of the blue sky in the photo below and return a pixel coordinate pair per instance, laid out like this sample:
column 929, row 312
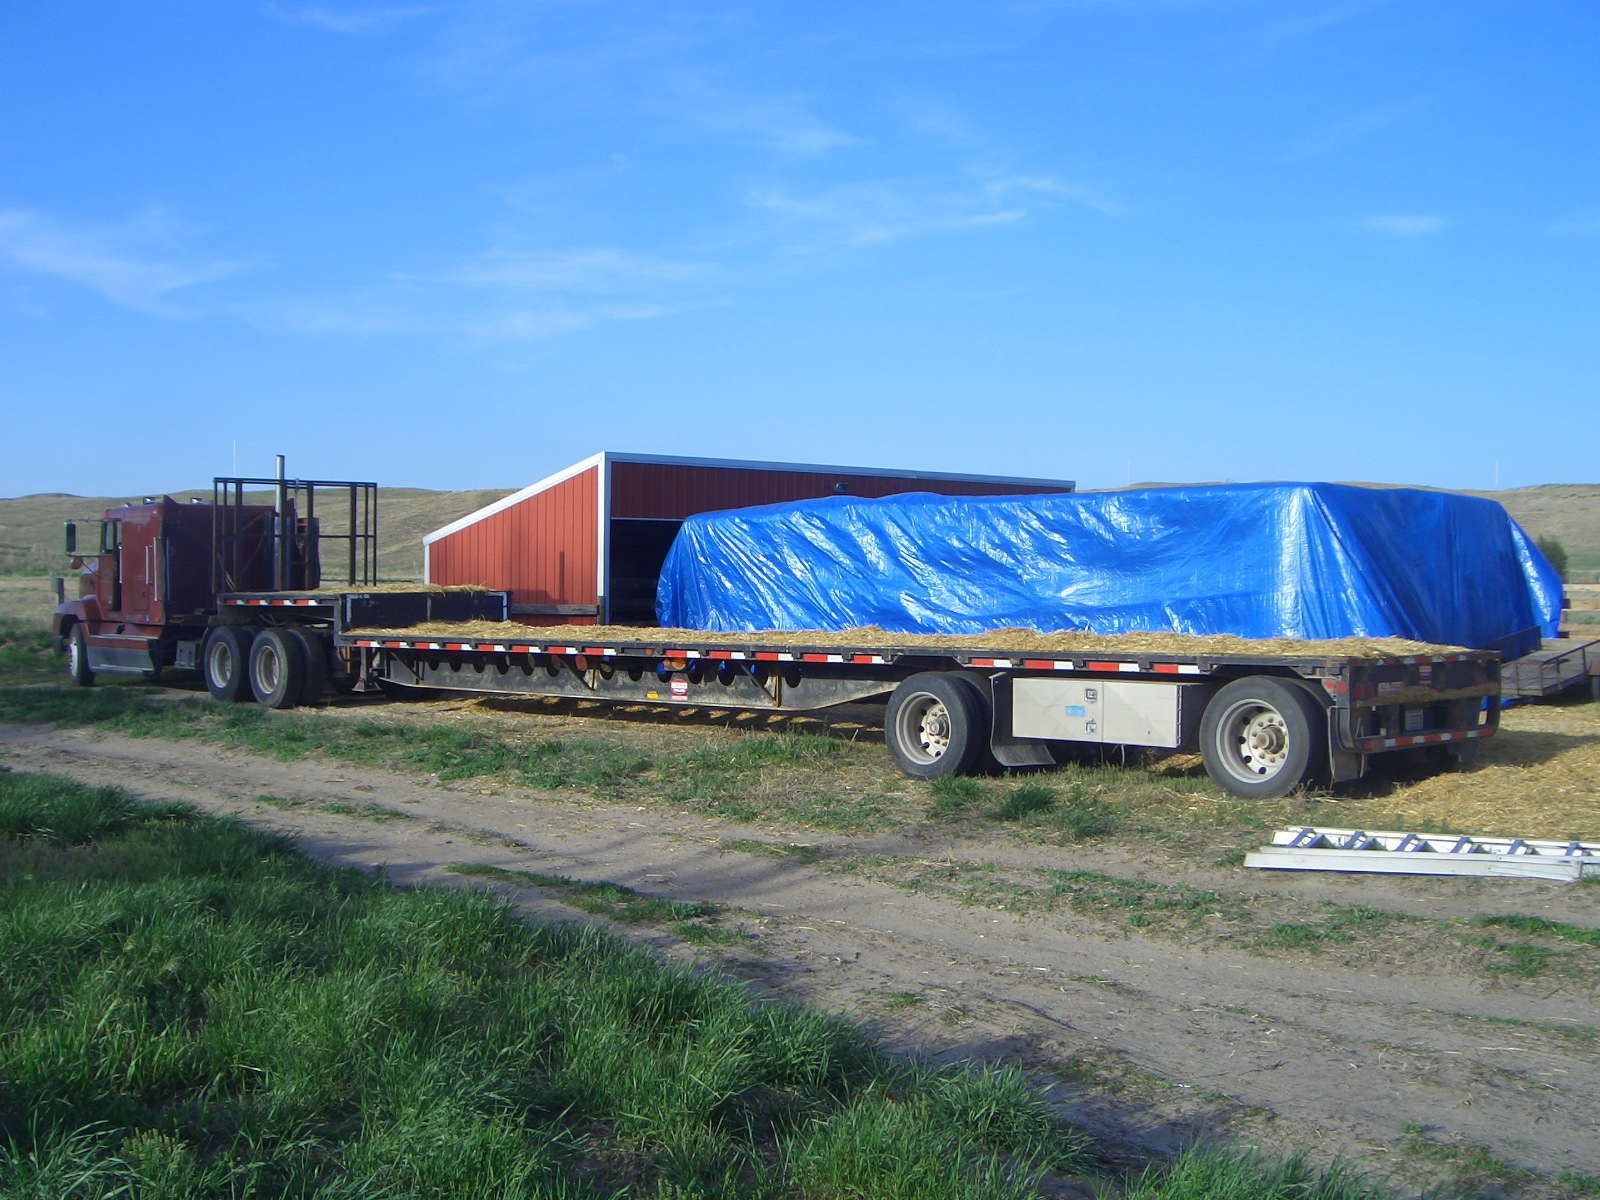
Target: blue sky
column 462, row 245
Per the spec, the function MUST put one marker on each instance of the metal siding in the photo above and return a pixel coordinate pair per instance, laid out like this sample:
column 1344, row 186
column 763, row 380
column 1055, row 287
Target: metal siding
column 543, row 549
column 664, row 491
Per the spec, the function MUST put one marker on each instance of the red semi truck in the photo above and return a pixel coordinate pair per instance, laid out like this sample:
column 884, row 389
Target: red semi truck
column 235, row 591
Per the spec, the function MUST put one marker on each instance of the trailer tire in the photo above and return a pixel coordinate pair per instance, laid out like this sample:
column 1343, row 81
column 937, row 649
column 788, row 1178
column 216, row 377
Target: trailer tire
column 277, row 668
column 1262, row 737
column 315, row 645
column 934, row 725
column 78, row 658
column 225, row 663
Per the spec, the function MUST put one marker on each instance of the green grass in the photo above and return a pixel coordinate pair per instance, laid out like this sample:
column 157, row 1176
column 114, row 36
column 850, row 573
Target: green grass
column 1580, row 1184
column 1184, row 912
column 1024, row 800
column 953, row 793
column 795, row 850
column 376, row 813
column 25, row 649
column 190, row 1009
column 893, row 1000
column 749, row 777
column 1209, row 1173
column 1468, row 1164
column 1539, row 925
column 610, row 900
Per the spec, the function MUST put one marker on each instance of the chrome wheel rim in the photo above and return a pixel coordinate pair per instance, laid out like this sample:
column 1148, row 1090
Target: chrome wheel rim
column 924, row 728
column 219, row 663
column 268, row 669
column 1253, row 741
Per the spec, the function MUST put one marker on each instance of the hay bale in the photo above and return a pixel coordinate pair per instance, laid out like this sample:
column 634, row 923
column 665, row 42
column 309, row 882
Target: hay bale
column 1004, row 641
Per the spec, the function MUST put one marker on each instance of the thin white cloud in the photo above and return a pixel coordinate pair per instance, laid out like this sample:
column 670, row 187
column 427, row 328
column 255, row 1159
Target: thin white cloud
column 139, row 263
column 360, row 22
column 1587, row 221
column 1305, row 20
column 1401, row 225
column 1352, row 129
column 534, row 324
column 887, row 210
column 505, row 295
column 781, row 123
column 605, row 270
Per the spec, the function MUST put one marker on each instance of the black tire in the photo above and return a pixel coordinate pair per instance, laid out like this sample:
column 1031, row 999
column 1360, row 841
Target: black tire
column 78, row 658
column 1262, row 737
column 225, row 663
column 934, row 726
column 277, row 668
column 316, row 648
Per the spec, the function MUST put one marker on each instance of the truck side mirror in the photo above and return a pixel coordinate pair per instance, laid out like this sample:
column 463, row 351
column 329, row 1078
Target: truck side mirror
column 72, row 537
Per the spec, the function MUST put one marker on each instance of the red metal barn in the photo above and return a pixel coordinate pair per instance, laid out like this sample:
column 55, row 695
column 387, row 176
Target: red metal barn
column 585, row 546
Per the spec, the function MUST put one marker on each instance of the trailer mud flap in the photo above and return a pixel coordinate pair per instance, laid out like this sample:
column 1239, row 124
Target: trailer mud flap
column 1009, row 750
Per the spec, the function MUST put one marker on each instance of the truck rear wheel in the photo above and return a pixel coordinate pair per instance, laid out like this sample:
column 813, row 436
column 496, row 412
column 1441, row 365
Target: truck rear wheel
column 314, row 644
column 277, row 668
column 224, row 661
column 1262, row 737
column 78, row 658
column 934, row 726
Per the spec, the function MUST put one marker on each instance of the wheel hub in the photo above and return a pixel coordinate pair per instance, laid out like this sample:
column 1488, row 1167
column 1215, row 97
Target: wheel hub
column 1264, row 743
column 933, row 730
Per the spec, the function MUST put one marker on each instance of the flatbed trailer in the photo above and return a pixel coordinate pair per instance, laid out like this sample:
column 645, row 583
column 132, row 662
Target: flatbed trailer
column 1264, row 723
column 234, row 590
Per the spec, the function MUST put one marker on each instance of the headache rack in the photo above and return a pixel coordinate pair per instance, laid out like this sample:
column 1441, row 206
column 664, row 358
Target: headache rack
column 284, row 544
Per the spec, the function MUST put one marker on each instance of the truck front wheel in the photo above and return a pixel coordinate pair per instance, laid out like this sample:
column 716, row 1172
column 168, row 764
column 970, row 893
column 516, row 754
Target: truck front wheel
column 1262, row 737
column 78, row 658
column 224, row 661
column 277, row 668
column 934, row 726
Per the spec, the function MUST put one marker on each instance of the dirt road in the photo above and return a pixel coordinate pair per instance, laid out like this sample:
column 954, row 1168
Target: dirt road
column 1153, row 1041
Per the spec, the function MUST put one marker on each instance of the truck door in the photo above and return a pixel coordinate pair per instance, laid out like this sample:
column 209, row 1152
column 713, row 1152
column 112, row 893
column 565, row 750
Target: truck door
column 140, row 566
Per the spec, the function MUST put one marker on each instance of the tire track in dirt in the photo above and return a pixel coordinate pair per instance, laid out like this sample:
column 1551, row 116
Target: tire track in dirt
column 1153, row 1042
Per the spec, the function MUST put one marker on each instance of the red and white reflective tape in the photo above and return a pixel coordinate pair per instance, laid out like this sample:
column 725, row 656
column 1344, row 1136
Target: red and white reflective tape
column 276, row 602
column 1420, row 739
column 1067, row 664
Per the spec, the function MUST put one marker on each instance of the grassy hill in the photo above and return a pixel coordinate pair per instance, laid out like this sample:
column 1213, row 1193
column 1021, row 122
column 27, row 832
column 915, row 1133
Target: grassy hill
column 1568, row 512
column 30, row 526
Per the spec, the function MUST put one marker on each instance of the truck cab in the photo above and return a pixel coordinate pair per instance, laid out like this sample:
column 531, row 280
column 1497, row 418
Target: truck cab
column 144, row 584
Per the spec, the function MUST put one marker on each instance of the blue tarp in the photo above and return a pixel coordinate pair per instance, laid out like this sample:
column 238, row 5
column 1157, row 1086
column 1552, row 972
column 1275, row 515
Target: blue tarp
column 1298, row 560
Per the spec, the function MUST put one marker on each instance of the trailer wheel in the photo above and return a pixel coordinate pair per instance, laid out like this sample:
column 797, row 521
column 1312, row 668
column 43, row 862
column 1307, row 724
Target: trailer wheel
column 315, row 645
column 224, row 661
column 277, row 668
column 78, row 658
column 1261, row 737
column 934, row 725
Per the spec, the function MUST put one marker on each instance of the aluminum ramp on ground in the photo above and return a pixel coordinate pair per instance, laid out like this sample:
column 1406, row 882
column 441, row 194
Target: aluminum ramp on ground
column 1307, row 848
column 1558, row 664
